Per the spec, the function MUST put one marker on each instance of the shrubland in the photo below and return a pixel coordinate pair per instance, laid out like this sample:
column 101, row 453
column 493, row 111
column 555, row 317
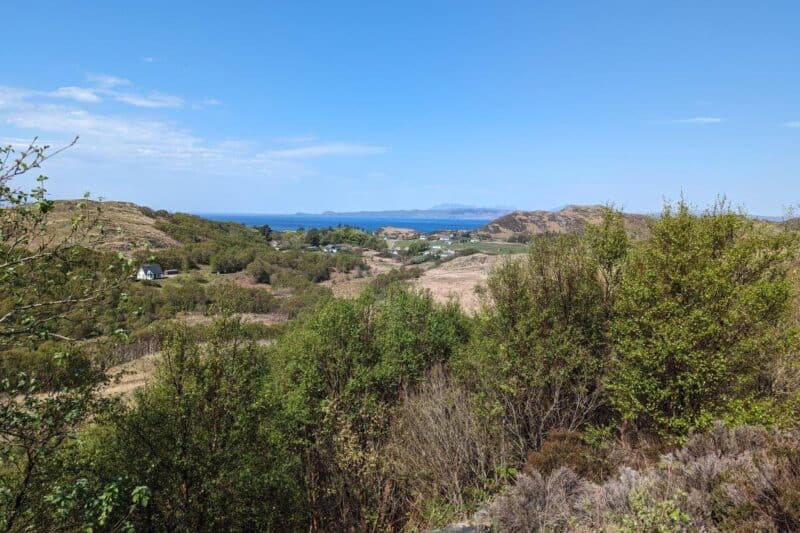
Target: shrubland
column 607, row 384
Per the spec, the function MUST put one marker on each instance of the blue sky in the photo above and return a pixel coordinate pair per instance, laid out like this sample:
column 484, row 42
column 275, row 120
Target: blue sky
column 270, row 107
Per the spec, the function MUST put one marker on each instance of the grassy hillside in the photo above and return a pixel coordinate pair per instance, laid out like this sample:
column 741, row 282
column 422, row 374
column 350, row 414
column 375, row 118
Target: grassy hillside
column 571, row 219
column 125, row 226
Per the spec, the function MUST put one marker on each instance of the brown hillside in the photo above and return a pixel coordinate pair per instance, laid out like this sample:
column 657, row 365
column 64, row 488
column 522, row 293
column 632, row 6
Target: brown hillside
column 126, row 226
column 571, row 219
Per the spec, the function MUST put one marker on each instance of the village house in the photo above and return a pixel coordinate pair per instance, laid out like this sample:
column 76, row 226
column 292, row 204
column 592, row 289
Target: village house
column 149, row 272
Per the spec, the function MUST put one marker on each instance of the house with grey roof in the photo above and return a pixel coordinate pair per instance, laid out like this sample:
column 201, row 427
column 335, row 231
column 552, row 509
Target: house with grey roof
column 149, row 272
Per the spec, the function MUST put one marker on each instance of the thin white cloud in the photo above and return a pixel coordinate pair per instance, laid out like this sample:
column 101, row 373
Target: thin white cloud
column 121, row 138
column 699, row 120
column 325, row 149
column 151, row 101
column 79, row 94
column 206, row 102
column 296, row 139
column 125, row 140
column 13, row 97
column 106, row 81
column 148, row 59
column 791, row 124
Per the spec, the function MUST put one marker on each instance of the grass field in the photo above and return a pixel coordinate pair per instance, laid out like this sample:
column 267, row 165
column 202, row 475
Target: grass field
column 487, row 247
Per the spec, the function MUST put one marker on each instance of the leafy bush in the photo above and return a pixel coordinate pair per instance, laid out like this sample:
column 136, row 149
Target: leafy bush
column 230, row 260
column 538, row 357
column 52, row 365
column 260, row 270
column 381, row 282
column 210, row 448
column 700, row 313
column 564, row 448
column 227, row 297
column 340, row 371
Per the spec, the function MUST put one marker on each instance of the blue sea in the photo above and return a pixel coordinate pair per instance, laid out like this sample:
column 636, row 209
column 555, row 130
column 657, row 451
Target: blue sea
column 367, row 223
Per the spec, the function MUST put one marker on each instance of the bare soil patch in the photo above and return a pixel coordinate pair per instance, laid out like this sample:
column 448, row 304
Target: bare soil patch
column 458, row 278
column 128, row 377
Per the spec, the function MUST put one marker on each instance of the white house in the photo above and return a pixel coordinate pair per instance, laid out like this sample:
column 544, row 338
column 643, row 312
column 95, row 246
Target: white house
column 149, row 272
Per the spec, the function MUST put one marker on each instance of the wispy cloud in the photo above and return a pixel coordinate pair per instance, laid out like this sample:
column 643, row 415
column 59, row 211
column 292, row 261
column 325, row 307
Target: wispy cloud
column 296, row 139
column 325, row 149
column 698, row 120
column 121, row 137
column 107, row 81
column 13, row 96
column 152, row 100
column 126, row 140
column 206, row 102
column 79, row 94
column 791, row 124
column 148, row 59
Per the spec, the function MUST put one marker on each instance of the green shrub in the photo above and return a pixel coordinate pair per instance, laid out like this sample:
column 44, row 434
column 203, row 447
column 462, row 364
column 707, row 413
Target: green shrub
column 340, row 370
column 699, row 316
column 230, row 260
column 227, row 297
column 211, row 449
column 538, row 358
column 260, row 270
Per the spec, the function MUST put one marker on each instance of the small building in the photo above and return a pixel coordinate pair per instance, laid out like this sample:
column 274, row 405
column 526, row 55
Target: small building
column 332, row 248
column 149, row 272
column 171, row 272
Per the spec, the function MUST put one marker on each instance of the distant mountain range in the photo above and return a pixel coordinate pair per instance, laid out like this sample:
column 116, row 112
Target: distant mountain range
column 437, row 211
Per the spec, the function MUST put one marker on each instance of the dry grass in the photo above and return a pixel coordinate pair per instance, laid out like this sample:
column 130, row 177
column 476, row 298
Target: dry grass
column 125, row 227
column 571, row 219
column 128, row 377
column 350, row 284
column 743, row 479
column 458, row 278
column 440, row 448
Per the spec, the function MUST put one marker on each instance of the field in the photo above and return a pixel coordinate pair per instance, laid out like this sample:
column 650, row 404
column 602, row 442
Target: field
column 486, row 247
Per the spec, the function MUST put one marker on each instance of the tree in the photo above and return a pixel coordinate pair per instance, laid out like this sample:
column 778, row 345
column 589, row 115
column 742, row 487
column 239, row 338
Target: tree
column 211, row 448
column 340, row 373
column 266, row 231
column 539, row 355
column 47, row 282
column 698, row 316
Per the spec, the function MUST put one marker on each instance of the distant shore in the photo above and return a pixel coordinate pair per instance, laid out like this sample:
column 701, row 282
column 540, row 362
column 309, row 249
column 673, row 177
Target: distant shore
column 365, row 222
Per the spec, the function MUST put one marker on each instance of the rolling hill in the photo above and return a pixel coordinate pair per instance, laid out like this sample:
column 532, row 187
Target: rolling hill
column 126, row 226
column 573, row 218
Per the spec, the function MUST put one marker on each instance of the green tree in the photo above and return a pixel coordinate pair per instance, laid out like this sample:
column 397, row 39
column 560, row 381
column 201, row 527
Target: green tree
column 208, row 444
column 538, row 357
column 698, row 316
column 47, row 284
column 340, row 373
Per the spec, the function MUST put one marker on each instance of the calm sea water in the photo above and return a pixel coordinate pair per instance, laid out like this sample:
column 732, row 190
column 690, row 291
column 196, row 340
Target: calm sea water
column 367, row 223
